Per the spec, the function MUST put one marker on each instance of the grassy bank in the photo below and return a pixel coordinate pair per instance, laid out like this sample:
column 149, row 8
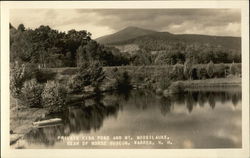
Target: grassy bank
column 21, row 119
column 214, row 82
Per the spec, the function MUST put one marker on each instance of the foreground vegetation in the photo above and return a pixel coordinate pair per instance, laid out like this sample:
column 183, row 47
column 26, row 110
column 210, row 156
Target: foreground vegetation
column 92, row 78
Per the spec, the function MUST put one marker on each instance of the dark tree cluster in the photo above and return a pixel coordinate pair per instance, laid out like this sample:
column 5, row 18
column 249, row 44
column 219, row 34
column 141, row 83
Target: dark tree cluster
column 107, row 56
column 51, row 48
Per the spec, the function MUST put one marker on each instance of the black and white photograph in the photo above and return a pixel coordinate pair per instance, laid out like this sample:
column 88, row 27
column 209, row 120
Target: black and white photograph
column 125, row 78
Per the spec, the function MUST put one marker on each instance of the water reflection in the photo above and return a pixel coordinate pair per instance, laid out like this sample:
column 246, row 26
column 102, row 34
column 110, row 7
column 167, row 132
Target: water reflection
column 165, row 105
column 89, row 116
column 78, row 118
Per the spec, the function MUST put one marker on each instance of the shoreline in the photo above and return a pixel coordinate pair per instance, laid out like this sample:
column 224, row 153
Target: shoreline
column 213, row 83
column 21, row 118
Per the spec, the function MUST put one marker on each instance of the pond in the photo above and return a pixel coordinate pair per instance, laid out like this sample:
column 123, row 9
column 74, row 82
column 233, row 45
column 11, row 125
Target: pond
column 141, row 119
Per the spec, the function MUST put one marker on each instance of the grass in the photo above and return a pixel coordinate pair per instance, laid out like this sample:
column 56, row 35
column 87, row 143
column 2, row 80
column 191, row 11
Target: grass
column 21, row 120
column 214, row 82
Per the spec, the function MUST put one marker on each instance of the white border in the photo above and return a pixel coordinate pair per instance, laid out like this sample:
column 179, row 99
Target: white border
column 126, row 153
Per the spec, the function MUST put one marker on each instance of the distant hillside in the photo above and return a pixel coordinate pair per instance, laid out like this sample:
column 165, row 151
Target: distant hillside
column 148, row 38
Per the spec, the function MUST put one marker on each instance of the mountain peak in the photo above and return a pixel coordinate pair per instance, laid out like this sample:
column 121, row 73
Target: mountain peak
column 127, row 33
column 132, row 28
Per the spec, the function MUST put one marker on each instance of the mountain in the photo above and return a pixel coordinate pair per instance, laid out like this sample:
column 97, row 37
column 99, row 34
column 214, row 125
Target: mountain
column 144, row 38
column 124, row 35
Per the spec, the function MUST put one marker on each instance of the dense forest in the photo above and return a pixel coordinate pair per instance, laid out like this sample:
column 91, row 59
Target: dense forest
column 52, row 48
column 180, row 52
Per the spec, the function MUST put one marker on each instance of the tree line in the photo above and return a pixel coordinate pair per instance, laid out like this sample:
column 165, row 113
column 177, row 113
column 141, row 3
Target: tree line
column 51, row 48
column 180, row 52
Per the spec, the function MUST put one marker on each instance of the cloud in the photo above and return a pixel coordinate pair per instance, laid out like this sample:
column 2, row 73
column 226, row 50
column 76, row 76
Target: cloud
column 105, row 21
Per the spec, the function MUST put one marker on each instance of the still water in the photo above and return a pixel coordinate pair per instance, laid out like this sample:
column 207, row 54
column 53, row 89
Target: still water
column 196, row 119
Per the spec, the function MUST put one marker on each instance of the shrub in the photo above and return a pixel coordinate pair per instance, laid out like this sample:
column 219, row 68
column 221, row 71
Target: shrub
column 220, row 70
column 17, row 78
column 71, row 84
column 235, row 69
column 94, row 73
column 194, row 73
column 21, row 73
column 54, row 97
column 201, row 73
column 122, row 81
column 178, row 72
column 210, row 69
column 164, row 82
column 89, row 74
column 31, row 93
column 176, row 87
column 187, row 69
column 75, row 84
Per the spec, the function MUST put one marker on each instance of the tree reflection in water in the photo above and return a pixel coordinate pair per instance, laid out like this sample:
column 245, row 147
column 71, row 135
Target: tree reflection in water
column 201, row 99
column 76, row 119
column 165, row 105
column 191, row 99
column 236, row 97
column 83, row 117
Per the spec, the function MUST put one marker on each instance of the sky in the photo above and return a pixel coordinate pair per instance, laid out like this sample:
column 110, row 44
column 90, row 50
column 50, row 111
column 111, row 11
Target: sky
column 100, row 22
